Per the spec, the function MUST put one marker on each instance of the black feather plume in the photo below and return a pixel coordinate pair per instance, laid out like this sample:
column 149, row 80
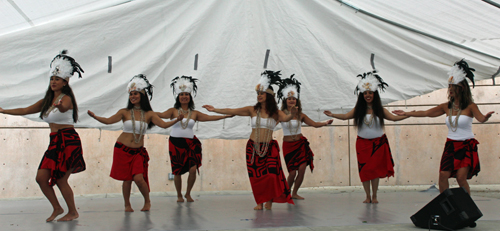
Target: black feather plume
column 468, row 71
column 76, row 66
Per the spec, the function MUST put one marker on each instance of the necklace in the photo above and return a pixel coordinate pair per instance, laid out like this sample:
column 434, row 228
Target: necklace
column 141, row 129
column 299, row 124
column 369, row 107
column 52, row 107
column 455, row 107
column 184, row 125
column 370, row 122
column 454, row 123
column 268, row 133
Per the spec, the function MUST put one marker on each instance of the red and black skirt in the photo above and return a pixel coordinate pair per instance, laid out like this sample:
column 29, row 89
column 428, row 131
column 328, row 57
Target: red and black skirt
column 63, row 154
column 184, row 154
column 128, row 162
column 297, row 153
column 374, row 158
column 266, row 175
column 460, row 154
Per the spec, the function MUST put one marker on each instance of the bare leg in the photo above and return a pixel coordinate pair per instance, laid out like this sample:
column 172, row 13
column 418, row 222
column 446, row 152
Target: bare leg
column 126, row 188
column 190, row 182
column 42, row 178
column 375, row 183
column 258, row 207
column 298, row 182
column 291, row 178
column 443, row 180
column 269, row 205
column 178, row 187
column 68, row 196
column 143, row 187
column 366, row 187
column 462, row 178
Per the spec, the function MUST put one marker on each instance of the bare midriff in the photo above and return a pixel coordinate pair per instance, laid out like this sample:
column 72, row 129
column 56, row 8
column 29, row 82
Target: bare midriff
column 265, row 135
column 292, row 138
column 57, row 127
column 127, row 139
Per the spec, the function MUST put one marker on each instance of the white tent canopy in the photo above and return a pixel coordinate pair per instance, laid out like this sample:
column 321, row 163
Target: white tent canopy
column 325, row 43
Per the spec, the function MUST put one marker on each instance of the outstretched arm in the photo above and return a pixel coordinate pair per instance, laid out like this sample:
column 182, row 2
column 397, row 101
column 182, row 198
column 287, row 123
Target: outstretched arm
column 111, row 120
column 392, row 117
column 348, row 115
column 433, row 112
column 202, row 117
column 64, row 104
column 478, row 115
column 243, row 111
column 284, row 117
column 168, row 114
column 37, row 107
column 162, row 124
column 313, row 123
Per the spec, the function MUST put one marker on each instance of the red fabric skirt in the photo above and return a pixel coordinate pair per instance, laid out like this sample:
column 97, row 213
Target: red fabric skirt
column 297, row 153
column 374, row 158
column 184, row 154
column 460, row 154
column 63, row 154
column 266, row 175
column 128, row 162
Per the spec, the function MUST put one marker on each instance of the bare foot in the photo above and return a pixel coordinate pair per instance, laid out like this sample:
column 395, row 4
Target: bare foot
column 268, row 205
column 128, row 208
column 258, row 207
column 147, row 206
column 296, row 196
column 69, row 217
column 180, row 199
column 189, row 198
column 368, row 200
column 56, row 213
column 374, row 200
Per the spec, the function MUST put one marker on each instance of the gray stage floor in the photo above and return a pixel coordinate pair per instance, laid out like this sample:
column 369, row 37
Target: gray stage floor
column 323, row 209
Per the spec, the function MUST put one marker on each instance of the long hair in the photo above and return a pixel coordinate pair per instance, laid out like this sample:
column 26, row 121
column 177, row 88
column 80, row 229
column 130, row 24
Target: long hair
column 284, row 106
column 463, row 91
column 271, row 105
column 177, row 104
column 361, row 108
column 49, row 97
column 145, row 106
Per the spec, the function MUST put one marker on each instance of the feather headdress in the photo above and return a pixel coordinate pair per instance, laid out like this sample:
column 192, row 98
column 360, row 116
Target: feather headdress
column 370, row 81
column 64, row 66
column 289, row 87
column 459, row 72
column 140, row 83
column 266, row 79
column 184, row 84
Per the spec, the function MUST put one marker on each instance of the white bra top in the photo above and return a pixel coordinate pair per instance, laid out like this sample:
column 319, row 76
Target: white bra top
column 373, row 131
column 57, row 117
column 287, row 131
column 127, row 127
column 178, row 131
column 264, row 123
column 464, row 129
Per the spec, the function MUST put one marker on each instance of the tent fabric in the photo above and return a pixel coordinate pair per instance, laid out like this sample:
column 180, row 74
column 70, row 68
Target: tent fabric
column 324, row 43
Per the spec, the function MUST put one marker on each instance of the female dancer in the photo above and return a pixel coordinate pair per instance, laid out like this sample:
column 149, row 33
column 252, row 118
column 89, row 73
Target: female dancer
column 262, row 152
column 130, row 158
column 460, row 158
column 184, row 148
column 64, row 154
column 296, row 148
column 372, row 147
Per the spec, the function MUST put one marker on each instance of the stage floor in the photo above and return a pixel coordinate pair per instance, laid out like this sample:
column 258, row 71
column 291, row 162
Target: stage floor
column 323, row 209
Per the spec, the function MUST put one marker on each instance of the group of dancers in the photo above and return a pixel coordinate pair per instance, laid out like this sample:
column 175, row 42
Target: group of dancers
column 130, row 158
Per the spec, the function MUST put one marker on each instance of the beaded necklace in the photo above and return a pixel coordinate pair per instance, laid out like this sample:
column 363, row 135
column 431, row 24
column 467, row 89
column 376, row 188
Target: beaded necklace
column 141, row 128
column 268, row 133
column 184, row 125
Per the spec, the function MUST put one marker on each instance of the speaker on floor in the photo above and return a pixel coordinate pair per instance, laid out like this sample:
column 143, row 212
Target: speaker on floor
column 450, row 210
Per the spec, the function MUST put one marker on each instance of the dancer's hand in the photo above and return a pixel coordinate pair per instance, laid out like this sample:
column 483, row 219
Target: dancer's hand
column 399, row 112
column 294, row 110
column 329, row 122
column 328, row 113
column 209, row 108
column 91, row 114
column 180, row 117
column 1, row 110
column 487, row 116
column 58, row 104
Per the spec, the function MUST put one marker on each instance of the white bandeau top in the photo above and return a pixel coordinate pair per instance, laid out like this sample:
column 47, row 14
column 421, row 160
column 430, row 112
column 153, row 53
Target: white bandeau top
column 127, row 127
column 294, row 130
column 373, row 131
column 57, row 117
column 464, row 130
column 178, row 131
column 264, row 123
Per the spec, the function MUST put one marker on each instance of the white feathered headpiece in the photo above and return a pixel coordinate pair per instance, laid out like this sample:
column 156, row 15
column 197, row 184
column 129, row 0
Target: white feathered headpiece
column 459, row 72
column 266, row 79
column 289, row 87
column 370, row 81
column 140, row 83
column 184, row 84
column 64, row 66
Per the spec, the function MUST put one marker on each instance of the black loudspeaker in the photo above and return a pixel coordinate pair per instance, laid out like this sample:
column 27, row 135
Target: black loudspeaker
column 450, row 210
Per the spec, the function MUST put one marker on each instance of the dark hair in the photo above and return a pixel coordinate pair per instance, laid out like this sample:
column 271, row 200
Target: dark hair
column 145, row 106
column 360, row 109
column 177, row 104
column 271, row 105
column 284, row 106
column 462, row 90
column 49, row 97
